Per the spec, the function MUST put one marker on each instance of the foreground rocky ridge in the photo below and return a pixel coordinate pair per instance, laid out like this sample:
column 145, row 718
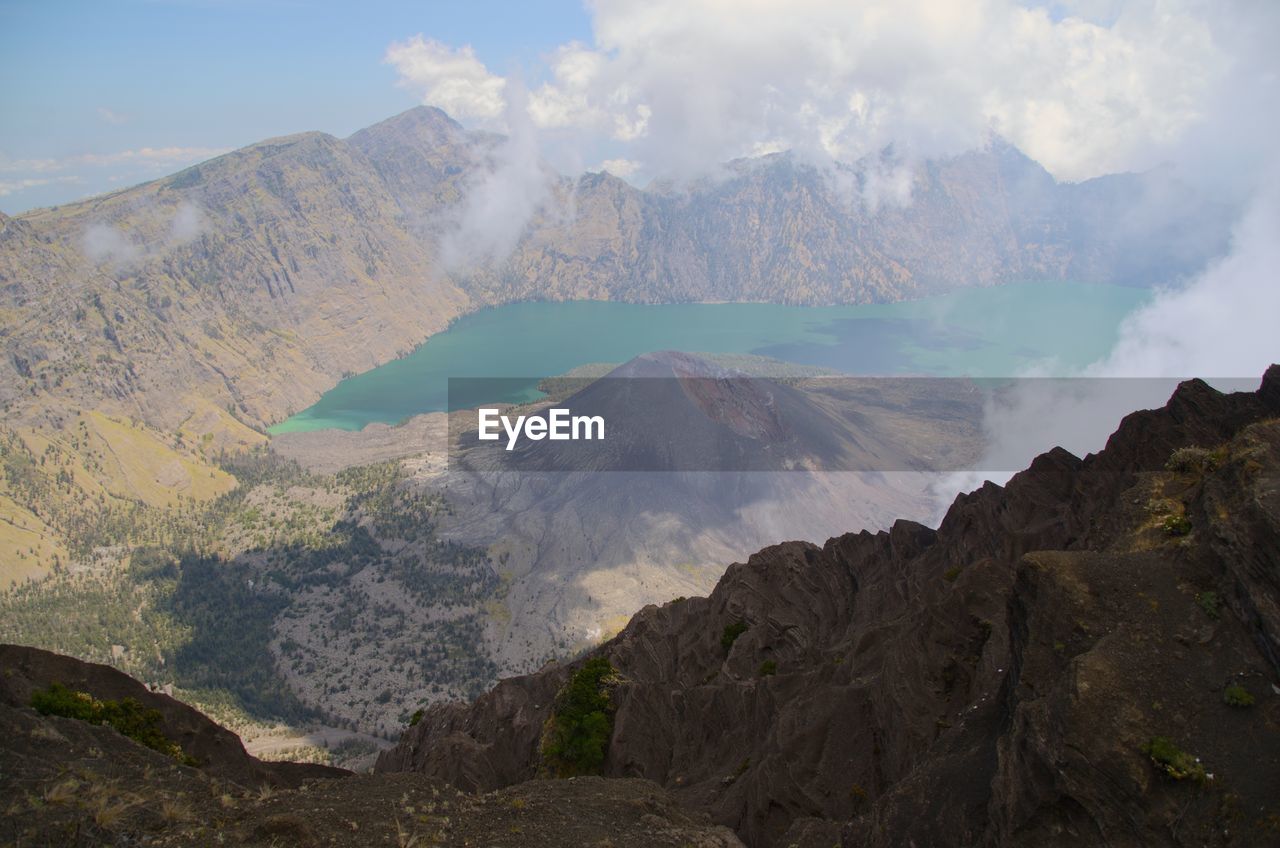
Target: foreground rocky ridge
column 66, row 782
column 1017, row 677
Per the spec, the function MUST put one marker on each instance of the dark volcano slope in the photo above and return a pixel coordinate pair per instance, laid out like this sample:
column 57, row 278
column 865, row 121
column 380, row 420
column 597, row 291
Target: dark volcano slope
column 1087, row 655
column 672, row 411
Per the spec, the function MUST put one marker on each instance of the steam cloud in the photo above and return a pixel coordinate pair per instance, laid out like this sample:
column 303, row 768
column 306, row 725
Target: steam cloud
column 122, row 247
column 504, row 198
column 1221, row 327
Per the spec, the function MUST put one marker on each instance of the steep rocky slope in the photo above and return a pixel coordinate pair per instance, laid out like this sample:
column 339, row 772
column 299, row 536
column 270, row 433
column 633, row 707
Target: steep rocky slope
column 66, row 782
column 209, row 748
column 581, row 550
column 1087, row 655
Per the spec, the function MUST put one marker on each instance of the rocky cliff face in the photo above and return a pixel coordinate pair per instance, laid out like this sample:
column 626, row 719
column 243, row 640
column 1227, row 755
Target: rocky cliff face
column 247, row 284
column 244, row 286
column 1086, row 655
column 774, row 229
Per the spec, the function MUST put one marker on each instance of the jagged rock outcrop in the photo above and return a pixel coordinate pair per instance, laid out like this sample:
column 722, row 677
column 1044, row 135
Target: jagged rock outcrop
column 991, row 682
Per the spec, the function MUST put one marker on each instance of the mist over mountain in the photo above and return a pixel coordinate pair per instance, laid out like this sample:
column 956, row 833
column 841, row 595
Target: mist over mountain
column 150, row 335
column 244, row 282
column 152, row 332
column 818, row 270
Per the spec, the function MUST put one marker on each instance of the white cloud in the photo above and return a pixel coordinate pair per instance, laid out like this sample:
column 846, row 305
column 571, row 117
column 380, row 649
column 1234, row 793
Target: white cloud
column 503, row 197
column 8, row 187
column 28, row 166
column 454, row 80
column 1219, row 327
column 107, row 244
column 120, row 245
column 686, row 84
column 1222, row 324
column 623, row 168
column 188, row 222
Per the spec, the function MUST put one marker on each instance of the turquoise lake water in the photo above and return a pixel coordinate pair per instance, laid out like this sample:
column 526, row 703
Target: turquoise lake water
column 986, row 332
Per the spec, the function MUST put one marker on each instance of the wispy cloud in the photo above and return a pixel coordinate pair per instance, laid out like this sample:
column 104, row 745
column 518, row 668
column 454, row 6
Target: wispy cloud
column 121, row 246
column 93, row 172
column 112, row 117
column 165, row 157
column 8, row 187
column 504, row 196
column 104, row 243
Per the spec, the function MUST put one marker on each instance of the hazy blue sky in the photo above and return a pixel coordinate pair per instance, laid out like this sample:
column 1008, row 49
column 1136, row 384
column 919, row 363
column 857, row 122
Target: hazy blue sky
column 87, row 87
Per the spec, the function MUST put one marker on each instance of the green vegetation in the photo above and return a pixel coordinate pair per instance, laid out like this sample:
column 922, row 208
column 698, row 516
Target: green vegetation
column 951, row 573
column 1236, row 695
column 128, row 717
column 768, row 668
column 1176, row 525
column 416, row 717
column 1174, row 761
column 229, row 624
column 198, row 605
column 1210, row 603
column 731, row 634
column 1196, row 460
column 577, row 734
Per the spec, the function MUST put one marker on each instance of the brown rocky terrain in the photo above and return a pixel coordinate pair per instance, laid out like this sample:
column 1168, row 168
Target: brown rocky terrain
column 214, row 749
column 66, row 782
column 1087, row 655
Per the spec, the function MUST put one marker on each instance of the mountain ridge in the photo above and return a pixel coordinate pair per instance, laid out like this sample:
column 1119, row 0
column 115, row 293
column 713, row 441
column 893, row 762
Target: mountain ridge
column 192, row 311
column 1020, row 675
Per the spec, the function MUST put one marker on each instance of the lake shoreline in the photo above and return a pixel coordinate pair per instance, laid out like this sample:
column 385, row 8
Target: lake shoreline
column 979, row 331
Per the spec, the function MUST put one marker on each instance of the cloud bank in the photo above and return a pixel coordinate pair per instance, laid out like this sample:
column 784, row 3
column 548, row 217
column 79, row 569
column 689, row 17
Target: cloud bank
column 1219, row 327
column 683, row 85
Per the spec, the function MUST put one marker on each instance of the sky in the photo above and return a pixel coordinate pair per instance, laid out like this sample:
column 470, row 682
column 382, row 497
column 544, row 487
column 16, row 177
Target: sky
column 100, row 95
